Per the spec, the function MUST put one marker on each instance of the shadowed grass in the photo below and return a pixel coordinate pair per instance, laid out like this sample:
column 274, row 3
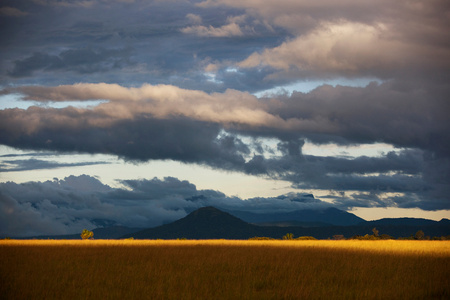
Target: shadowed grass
column 225, row 269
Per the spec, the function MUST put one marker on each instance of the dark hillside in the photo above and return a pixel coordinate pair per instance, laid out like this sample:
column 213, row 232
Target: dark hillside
column 309, row 217
column 212, row 223
column 204, row 223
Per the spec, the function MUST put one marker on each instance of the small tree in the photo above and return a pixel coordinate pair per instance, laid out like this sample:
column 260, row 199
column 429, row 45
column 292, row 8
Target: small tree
column 288, row 236
column 86, row 234
column 375, row 232
column 419, row 235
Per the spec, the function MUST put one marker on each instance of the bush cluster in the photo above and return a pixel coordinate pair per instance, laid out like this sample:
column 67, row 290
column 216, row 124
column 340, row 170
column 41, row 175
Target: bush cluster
column 420, row 235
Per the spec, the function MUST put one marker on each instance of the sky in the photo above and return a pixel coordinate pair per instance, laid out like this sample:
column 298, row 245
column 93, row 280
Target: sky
column 133, row 112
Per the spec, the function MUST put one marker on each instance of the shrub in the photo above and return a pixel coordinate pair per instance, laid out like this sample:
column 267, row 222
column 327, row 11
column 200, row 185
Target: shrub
column 86, row 234
column 385, row 236
column 366, row 237
column 288, row 236
column 419, row 235
column 306, row 238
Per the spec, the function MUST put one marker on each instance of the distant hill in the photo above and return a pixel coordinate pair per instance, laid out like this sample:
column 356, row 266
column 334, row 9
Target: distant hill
column 306, row 217
column 294, row 223
column 402, row 221
column 212, row 223
column 204, row 223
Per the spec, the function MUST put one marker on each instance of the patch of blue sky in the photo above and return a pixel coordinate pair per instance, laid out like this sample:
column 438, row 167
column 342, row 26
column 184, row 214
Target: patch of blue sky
column 308, row 86
column 353, row 151
column 15, row 101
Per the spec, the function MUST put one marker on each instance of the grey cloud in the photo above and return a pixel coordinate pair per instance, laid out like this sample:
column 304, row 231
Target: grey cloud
column 73, row 203
column 350, row 38
column 404, row 173
column 161, row 52
column 83, row 61
column 87, row 4
column 31, row 154
column 411, row 116
column 403, row 42
column 143, row 128
column 376, row 199
column 370, row 199
column 37, row 164
column 404, row 114
column 69, row 205
column 406, row 161
column 141, row 140
column 12, row 12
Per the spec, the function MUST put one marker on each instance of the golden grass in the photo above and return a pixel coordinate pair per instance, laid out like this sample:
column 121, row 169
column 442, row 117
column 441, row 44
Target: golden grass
column 224, row 269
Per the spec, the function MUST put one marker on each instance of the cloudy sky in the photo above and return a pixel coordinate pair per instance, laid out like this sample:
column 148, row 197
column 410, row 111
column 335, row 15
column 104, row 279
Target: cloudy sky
column 134, row 112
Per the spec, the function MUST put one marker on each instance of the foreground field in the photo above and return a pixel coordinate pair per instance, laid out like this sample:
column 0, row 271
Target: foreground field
column 221, row 269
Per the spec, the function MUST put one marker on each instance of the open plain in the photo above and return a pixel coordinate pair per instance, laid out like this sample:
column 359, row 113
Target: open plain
column 224, row 269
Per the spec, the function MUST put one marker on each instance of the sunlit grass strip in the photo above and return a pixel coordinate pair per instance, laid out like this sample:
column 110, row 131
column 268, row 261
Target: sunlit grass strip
column 390, row 246
column 224, row 269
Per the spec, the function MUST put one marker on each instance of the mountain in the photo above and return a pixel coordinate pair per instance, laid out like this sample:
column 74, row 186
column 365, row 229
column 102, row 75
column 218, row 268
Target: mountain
column 306, row 217
column 204, row 223
column 212, row 223
column 402, row 221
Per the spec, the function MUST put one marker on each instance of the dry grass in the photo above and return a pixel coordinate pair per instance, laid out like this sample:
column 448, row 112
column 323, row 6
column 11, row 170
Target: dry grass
column 222, row 269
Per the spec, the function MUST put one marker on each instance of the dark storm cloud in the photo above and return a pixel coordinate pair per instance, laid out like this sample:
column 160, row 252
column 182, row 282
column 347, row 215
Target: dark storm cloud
column 69, row 205
column 83, row 61
column 410, row 115
column 162, row 122
column 382, row 174
column 202, row 49
column 141, row 140
column 32, row 154
column 37, row 164
column 175, row 42
column 405, row 115
column 12, row 12
column 81, row 38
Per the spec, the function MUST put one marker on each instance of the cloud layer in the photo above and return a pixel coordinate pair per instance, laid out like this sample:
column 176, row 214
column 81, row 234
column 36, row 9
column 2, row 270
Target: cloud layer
column 176, row 81
column 69, row 205
column 228, row 131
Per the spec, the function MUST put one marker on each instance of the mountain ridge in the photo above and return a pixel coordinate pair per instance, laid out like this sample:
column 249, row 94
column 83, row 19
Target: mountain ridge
column 212, row 223
column 321, row 217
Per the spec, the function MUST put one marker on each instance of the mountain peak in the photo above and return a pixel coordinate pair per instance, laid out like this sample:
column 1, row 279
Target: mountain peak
column 203, row 223
column 211, row 216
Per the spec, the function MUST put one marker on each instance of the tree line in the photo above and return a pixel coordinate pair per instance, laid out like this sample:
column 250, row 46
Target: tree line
column 419, row 235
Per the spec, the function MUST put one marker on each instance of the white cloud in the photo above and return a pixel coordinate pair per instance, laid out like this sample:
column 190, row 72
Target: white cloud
column 160, row 101
column 351, row 37
column 343, row 48
column 231, row 29
column 195, row 19
column 12, row 12
column 227, row 30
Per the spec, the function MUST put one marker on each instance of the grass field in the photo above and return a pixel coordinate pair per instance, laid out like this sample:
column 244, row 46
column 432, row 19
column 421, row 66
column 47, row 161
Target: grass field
column 222, row 269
